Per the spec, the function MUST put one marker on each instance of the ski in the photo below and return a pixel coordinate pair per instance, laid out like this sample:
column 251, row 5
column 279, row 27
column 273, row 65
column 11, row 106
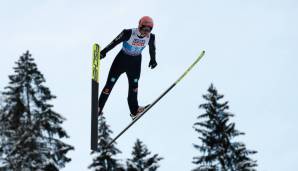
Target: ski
column 94, row 96
column 160, row 97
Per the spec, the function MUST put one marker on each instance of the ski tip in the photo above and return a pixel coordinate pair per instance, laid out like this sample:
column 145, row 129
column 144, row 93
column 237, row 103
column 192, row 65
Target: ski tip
column 201, row 55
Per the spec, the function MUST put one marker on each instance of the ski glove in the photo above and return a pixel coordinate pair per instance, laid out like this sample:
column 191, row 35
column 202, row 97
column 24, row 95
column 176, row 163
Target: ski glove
column 152, row 63
column 102, row 55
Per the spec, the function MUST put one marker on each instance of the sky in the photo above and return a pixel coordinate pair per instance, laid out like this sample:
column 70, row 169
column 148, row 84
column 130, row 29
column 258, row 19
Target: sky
column 251, row 58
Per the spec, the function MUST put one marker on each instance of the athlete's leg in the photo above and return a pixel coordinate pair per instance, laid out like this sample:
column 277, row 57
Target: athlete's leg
column 114, row 73
column 133, row 75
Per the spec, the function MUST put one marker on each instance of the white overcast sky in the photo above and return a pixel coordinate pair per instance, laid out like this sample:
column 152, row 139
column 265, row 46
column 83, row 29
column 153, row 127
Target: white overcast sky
column 251, row 57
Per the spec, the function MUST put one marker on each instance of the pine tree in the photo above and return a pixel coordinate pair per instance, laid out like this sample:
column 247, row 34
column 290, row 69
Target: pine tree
column 1, row 147
column 140, row 160
column 30, row 130
column 218, row 149
column 242, row 159
column 105, row 157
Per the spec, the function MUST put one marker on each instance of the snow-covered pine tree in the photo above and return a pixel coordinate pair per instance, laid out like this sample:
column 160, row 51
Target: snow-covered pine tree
column 1, row 100
column 140, row 160
column 242, row 160
column 1, row 147
column 218, row 150
column 104, row 159
column 30, row 129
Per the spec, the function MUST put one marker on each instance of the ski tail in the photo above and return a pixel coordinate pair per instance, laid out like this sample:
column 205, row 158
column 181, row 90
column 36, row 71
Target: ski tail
column 94, row 96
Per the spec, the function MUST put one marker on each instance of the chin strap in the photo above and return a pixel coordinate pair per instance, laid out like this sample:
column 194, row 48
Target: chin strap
column 140, row 35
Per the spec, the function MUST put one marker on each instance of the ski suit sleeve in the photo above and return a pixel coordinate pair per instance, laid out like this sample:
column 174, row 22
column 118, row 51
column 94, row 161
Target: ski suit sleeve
column 152, row 47
column 123, row 36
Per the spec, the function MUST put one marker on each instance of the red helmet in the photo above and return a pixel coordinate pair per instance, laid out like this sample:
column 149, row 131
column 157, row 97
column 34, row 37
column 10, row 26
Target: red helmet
column 146, row 21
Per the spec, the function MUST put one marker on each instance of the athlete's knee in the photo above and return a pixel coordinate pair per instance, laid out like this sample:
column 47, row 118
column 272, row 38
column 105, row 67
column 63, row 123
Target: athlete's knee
column 135, row 81
column 134, row 85
column 112, row 80
column 109, row 85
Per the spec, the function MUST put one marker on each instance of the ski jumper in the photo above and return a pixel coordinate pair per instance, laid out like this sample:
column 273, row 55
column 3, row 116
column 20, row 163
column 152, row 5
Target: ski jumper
column 128, row 61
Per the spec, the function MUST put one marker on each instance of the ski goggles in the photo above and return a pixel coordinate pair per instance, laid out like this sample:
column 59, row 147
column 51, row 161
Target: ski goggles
column 146, row 29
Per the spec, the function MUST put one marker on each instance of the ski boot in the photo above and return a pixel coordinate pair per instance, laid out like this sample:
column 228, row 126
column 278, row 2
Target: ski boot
column 140, row 110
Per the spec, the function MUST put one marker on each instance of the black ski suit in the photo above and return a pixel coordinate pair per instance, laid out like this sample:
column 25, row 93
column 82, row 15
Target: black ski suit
column 129, row 62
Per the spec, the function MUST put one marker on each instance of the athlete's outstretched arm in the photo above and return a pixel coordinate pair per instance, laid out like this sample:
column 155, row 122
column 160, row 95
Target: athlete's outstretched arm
column 124, row 35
